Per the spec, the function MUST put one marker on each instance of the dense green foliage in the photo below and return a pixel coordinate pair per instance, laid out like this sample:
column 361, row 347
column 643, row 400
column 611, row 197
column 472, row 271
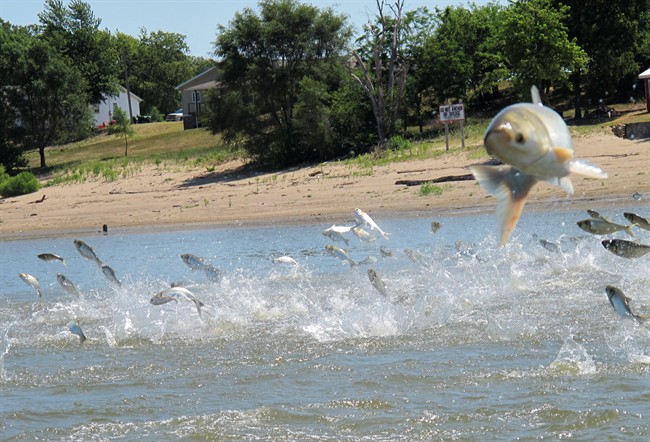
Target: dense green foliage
column 280, row 69
column 295, row 87
column 21, row 184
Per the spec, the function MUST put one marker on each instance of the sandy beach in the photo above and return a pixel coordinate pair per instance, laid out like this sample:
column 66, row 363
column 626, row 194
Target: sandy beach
column 163, row 196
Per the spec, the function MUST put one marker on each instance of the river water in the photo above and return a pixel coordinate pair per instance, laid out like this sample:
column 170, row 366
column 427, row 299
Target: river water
column 470, row 341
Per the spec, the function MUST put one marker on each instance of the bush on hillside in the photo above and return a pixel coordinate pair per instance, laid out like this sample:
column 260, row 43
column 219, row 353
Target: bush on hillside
column 21, row 184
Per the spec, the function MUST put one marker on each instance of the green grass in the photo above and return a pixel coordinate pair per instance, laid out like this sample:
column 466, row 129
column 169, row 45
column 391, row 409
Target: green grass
column 167, row 145
column 433, row 189
column 102, row 157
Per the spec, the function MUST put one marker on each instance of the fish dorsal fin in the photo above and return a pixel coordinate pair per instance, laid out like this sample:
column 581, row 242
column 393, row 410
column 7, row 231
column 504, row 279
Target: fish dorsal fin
column 534, row 92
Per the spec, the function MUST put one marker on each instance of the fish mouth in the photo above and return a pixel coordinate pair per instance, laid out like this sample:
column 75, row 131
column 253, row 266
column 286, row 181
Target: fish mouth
column 500, row 135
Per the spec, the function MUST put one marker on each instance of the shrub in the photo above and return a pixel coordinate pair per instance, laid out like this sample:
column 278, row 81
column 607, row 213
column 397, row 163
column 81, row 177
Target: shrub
column 21, row 184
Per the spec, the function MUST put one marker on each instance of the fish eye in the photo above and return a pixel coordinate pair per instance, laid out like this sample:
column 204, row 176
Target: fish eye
column 519, row 138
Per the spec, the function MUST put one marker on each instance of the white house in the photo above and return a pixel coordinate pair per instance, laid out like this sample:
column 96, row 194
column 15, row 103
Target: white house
column 104, row 110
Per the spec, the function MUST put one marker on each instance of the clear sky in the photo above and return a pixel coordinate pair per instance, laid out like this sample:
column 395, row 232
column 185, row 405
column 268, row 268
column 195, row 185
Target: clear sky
column 196, row 19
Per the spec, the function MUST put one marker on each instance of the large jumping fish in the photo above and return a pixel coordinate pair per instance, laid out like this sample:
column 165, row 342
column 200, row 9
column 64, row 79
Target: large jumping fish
column 536, row 144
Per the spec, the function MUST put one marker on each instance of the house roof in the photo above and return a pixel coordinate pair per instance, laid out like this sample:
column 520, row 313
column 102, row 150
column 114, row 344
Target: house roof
column 645, row 74
column 205, row 80
column 140, row 100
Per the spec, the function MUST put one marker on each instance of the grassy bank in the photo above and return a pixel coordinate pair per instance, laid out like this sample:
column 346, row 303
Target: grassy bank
column 169, row 146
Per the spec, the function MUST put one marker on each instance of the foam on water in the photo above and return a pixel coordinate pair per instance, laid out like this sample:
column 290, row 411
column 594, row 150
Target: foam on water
column 462, row 321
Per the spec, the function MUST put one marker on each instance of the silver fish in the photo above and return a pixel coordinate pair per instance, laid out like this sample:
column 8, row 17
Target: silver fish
column 32, row 281
column 385, row 252
column 596, row 215
column 86, row 251
column 110, row 274
column 285, row 260
column 637, row 220
column 363, row 235
column 621, row 303
column 435, row 226
column 377, row 282
column 67, row 285
column 171, row 294
column 364, row 219
column 75, row 328
column 536, row 144
column 340, row 253
column 625, row 249
column 602, row 227
column 49, row 257
column 194, row 262
column 160, row 299
column 550, row 246
column 335, row 233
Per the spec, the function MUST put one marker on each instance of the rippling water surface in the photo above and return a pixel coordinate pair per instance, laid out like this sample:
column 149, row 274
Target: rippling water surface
column 471, row 341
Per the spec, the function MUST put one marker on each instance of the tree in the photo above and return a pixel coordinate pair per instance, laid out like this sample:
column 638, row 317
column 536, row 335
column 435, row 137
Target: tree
column 384, row 69
column 74, row 32
column 536, row 45
column 461, row 57
column 46, row 94
column 276, row 67
column 122, row 127
column 157, row 62
column 616, row 36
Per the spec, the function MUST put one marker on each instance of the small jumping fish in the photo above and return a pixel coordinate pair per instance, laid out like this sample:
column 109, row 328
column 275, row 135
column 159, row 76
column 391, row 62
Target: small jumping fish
column 172, row 293
column 550, row 246
column 364, row 219
column 340, row 253
column 335, row 233
column 602, row 227
column 637, row 220
column 285, row 260
column 385, row 252
column 110, row 274
column 194, row 262
column 363, row 235
column 625, row 249
column 86, row 251
column 75, row 328
column 435, row 226
column 49, row 257
column 377, row 282
column 621, row 303
column 67, row 285
column 32, row 281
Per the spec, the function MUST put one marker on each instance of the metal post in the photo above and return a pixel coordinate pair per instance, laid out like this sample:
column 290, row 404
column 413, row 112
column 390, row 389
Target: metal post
column 462, row 133
column 447, row 136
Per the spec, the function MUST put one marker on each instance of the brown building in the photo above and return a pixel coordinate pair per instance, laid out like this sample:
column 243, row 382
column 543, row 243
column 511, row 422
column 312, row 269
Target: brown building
column 194, row 95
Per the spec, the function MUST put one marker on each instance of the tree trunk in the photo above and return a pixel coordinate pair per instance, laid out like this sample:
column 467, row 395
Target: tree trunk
column 41, row 152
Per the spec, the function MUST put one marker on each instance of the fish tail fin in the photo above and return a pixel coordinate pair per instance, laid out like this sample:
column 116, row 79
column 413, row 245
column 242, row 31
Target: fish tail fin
column 39, row 293
column 64, row 263
column 585, row 168
column 629, row 231
column 82, row 338
column 510, row 186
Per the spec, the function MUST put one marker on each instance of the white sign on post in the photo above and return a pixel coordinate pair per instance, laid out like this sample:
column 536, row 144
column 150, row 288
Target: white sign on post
column 452, row 112
column 449, row 113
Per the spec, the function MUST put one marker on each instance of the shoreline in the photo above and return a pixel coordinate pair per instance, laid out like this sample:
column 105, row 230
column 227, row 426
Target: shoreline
column 164, row 198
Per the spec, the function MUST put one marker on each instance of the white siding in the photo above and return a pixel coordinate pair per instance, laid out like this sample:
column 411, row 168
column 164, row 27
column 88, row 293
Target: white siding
column 104, row 111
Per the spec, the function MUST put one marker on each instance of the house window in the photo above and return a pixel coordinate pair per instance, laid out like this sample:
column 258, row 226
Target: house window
column 196, row 96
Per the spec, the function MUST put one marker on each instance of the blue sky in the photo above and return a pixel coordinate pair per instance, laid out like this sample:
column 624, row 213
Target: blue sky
column 196, row 19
